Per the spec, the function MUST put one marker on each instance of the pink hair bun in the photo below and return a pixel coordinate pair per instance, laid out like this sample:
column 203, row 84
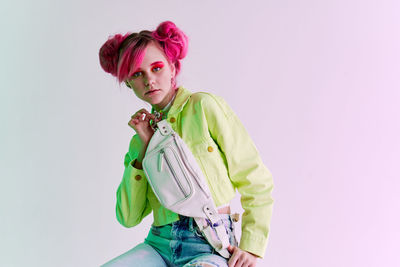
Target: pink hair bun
column 175, row 42
column 109, row 53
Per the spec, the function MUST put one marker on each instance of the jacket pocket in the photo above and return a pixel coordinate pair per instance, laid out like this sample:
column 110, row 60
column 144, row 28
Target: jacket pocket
column 212, row 162
column 168, row 180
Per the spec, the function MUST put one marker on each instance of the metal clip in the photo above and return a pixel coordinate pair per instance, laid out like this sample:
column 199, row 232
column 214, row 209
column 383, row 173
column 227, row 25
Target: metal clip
column 153, row 123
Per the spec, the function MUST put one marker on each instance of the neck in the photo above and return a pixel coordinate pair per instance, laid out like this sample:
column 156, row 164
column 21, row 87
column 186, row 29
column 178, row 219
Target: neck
column 163, row 106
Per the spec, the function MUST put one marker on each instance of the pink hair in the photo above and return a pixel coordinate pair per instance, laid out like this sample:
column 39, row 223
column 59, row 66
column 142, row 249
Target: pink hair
column 120, row 55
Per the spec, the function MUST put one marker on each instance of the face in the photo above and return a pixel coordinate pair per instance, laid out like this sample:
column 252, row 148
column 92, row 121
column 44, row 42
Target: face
column 151, row 82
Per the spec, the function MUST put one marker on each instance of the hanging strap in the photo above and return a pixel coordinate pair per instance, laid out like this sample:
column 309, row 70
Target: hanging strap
column 214, row 231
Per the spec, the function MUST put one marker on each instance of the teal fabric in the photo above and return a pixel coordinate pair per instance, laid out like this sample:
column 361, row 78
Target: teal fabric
column 228, row 158
column 177, row 244
column 181, row 242
column 143, row 253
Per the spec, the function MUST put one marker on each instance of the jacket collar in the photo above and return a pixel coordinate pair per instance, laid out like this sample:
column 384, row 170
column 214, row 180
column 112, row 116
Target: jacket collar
column 182, row 96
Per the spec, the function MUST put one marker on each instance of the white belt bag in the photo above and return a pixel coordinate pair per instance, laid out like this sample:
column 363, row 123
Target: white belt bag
column 178, row 183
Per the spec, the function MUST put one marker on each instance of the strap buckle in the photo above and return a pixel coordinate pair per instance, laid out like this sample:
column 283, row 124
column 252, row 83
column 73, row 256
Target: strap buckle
column 153, row 123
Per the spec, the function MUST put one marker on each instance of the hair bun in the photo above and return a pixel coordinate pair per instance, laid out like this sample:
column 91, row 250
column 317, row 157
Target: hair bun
column 174, row 40
column 109, row 55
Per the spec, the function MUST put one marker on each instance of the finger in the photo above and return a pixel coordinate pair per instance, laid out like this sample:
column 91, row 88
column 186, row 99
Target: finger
column 146, row 116
column 150, row 117
column 143, row 110
column 136, row 119
column 136, row 115
column 233, row 259
column 240, row 260
column 156, row 120
column 140, row 111
column 241, row 257
column 248, row 261
column 133, row 122
column 140, row 117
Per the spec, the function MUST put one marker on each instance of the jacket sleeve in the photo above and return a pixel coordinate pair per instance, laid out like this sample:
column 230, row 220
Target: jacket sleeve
column 246, row 170
column 132, row 204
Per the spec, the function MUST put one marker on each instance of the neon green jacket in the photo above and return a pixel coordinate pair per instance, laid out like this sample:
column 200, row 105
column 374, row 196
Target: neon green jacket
column 227, row 157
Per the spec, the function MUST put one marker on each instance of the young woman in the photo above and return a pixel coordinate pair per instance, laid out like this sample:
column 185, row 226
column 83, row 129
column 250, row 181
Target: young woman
column 148, row 62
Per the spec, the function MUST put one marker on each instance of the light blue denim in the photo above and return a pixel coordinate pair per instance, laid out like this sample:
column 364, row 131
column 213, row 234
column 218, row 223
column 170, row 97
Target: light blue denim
column 174, row 245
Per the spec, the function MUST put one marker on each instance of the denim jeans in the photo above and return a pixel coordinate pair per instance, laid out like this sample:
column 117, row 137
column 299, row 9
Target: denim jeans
column 177, row 244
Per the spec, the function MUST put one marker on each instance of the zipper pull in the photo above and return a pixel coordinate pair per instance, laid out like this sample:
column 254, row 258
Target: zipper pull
column 160, row 160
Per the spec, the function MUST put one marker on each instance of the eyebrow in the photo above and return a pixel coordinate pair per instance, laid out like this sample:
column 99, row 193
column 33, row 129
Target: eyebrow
column 152, row 64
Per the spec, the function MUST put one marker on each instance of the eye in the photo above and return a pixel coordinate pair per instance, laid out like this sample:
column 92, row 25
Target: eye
column 137, row 74
column 157, row 68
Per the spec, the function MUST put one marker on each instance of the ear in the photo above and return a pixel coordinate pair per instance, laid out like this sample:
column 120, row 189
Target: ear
column 173, row 69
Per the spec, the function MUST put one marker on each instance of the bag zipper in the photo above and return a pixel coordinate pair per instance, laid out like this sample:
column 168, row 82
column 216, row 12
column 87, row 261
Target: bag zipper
column 196, row 178
column 174, row 173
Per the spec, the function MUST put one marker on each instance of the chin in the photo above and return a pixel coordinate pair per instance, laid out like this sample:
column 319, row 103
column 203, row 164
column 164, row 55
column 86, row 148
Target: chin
column 155, row 101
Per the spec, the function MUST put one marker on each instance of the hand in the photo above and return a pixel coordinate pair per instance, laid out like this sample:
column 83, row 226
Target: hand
column 241, row 258
column 140, row 122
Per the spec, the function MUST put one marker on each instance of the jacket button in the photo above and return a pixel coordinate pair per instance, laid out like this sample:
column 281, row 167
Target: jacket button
column 210, row 149
column 172, row 120
column 138, row 177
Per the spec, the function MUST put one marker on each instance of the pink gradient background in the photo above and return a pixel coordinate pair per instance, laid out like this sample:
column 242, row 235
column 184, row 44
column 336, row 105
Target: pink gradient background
column 316, row 83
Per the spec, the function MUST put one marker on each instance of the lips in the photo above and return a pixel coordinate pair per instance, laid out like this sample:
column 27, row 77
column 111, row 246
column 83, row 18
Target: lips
column 151, row 91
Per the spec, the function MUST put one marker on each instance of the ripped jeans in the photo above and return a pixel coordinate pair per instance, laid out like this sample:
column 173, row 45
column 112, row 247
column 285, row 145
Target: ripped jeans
column 177, row 244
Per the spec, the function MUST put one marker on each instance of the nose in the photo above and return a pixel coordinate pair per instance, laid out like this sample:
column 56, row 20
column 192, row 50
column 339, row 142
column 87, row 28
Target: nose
column 149, row 80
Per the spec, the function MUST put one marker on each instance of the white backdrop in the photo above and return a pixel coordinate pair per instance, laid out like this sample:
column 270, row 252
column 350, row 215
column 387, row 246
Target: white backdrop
column 316, row 83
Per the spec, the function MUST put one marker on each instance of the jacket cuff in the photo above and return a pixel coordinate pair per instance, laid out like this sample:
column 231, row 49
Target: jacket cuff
column 131, row 206
column 135, row 171
column 254, row 244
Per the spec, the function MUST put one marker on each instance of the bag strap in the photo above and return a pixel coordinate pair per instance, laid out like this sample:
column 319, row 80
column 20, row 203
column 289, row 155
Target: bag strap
column 214, row 231
column 211, row 226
